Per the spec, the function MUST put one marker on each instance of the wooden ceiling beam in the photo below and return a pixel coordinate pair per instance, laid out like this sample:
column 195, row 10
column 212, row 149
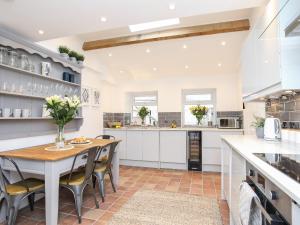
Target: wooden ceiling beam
column 208, row 29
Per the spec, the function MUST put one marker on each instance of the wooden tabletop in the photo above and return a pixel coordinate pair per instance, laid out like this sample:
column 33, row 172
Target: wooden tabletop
column 39, row 153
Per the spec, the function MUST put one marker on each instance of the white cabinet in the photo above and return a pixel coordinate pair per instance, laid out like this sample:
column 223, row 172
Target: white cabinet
column 150, row 146
column 134, row 145
column 211, row 156
column 238, row 175
column 121, row 135
column 225, row 171
column 173, row 146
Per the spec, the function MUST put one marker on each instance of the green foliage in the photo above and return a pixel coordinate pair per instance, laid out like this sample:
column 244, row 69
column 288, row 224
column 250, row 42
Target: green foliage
column 63, row 49
column 73, row 54
column 80, row 57
column 259, row 122
column 143, row 112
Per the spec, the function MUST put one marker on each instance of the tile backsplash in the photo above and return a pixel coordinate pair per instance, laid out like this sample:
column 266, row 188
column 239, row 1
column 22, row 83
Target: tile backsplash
column 287, row 109
column 166, row 118
column 124, row 118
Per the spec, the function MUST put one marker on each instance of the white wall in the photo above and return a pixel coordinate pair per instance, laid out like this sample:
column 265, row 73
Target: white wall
column 251, row 109
column 169, row 92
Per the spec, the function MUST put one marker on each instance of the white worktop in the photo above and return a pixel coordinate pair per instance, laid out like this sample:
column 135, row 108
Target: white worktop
column 246, row 145
column 175, row 129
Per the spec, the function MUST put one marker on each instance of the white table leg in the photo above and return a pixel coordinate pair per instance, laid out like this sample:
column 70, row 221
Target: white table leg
column 116, row 168
column 52, row 192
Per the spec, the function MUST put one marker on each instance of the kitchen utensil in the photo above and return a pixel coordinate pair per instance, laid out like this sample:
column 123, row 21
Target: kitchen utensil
column 6, row 112
column 272, row 129
column 46, row 67
column 25, row 113
column 17, row 113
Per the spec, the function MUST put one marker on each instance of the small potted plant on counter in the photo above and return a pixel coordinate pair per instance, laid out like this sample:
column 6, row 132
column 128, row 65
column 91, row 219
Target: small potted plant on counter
column 199, row 112
column 64, row 51
column 73, row 55
column 259, row 124
column 143, row 112
column 80, row 58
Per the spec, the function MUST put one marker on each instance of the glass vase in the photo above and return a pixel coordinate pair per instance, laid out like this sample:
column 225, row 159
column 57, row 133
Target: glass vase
column 60, row 139
column 199, row 118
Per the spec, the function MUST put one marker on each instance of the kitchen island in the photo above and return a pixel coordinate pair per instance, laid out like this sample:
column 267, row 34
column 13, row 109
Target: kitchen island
column 168, row 147
column 237, row 152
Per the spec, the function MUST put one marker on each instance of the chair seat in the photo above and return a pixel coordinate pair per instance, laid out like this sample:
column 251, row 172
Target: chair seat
column 20, row 187
column 100, row 167
column 76, row 179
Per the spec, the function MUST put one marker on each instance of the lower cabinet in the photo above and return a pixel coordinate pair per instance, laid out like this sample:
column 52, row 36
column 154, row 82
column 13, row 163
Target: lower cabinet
column 173, row 146
column 120, row 135
column 134, row 145
column 150, row 146
column 233, row 174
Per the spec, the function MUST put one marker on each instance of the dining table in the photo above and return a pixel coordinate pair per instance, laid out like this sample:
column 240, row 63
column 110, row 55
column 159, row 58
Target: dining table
column 52, row 164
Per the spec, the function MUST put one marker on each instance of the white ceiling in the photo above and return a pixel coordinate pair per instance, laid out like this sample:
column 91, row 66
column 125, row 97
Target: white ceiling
column 202, row 56
column 70, row 17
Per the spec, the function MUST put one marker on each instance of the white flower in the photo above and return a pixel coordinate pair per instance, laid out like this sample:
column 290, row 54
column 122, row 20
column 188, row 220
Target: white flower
column 53, row 99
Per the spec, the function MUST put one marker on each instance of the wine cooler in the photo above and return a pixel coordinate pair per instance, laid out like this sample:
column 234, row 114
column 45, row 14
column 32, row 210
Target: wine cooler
column 195, row 150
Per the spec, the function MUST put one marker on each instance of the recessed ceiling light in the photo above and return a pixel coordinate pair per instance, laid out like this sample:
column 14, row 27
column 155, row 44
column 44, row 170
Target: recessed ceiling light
column 121, row 71
column 41, row 32
column 184, row 46
column 223, row 43
column 186, row 67
column 154, row 69
column 103, row 19
column 266, row 61
column 148, row 50
column 110, row 54
column 172, row 6
column 154, row 24
column 219, row 64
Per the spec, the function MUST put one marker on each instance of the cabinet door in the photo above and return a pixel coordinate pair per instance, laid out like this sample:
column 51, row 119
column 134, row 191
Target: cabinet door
column 238, row 175
column 150, row 145
column 121, row 135
column 134, row 145
column 211, row 156
column 173, row 146
column 212, row 139
column 225, row 168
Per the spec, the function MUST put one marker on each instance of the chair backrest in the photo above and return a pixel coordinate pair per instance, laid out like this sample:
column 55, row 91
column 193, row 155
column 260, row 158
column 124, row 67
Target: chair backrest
column 90, row 163
column 105, row 136
column 3, row 180
column 112, row 148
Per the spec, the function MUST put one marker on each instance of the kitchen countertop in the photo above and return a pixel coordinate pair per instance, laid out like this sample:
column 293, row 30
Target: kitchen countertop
column 176, row 129
column 246, row 145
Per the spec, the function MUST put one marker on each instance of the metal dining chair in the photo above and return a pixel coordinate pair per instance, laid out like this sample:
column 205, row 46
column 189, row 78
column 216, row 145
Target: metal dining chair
column 15, row 193
column 77, row 180
column 104, row 167
column 103, row 157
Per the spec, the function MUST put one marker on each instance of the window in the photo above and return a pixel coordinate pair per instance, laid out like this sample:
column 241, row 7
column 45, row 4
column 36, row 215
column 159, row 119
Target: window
column 203, row 97
column 147, row 99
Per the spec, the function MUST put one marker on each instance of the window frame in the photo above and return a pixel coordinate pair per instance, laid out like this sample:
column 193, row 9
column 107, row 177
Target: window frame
column 184, row 102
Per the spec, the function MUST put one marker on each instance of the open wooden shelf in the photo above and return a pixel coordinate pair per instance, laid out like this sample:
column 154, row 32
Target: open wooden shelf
column 21, row 95
column 38, row 75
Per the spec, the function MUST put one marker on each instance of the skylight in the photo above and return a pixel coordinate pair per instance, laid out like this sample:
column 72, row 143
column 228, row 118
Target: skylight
column 153, row 24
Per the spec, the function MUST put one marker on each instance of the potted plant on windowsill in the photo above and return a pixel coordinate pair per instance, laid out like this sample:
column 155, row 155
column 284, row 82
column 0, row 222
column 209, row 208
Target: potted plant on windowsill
column 63, row 111
column 64, row 51
column 143, row 112
column 259, row 124
column 73, row 55
column 199, row 112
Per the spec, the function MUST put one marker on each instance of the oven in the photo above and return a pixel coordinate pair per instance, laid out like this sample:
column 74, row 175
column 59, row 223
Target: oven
column 275, row 205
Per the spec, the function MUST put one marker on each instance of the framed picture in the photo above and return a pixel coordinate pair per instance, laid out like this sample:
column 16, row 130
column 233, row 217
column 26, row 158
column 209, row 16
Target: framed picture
column 85, row 96
column 96, row 97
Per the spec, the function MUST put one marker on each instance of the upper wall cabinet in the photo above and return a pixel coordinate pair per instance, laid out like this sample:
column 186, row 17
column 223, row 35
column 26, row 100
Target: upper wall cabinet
column 269, row 55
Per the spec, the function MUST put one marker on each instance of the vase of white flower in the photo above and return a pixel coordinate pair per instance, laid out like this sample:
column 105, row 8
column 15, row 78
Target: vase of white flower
column 199, row 112
column 62, row 110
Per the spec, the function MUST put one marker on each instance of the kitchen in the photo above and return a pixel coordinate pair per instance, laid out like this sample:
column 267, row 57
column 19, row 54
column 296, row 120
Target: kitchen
column 186, row 104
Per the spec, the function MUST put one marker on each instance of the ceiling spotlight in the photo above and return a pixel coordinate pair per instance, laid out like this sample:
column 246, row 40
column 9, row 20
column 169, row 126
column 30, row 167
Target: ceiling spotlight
column 266, row 61
column 154, row 69
column 103, row 19
column 110, row 54
column 186, row 67
column 223, row 43
column 121, row 71
column 184, row 46
column 172, row 6
column 148, row 50
column 219, row 64
column 41, row 32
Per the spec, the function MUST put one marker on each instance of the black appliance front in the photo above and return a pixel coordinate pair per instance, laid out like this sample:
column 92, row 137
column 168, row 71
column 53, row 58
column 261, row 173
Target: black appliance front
column 195, row 150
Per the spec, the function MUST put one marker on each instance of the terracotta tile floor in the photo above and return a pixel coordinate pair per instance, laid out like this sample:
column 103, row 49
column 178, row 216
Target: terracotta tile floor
column 132, row 179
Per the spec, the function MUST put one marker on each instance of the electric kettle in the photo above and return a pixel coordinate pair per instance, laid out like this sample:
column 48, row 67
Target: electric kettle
column 272, row 129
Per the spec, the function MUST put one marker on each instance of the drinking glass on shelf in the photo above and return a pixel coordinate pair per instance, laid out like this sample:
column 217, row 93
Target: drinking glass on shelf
column 29, row 87
column 24, row 62
column 3, row 55
column 13, row 58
